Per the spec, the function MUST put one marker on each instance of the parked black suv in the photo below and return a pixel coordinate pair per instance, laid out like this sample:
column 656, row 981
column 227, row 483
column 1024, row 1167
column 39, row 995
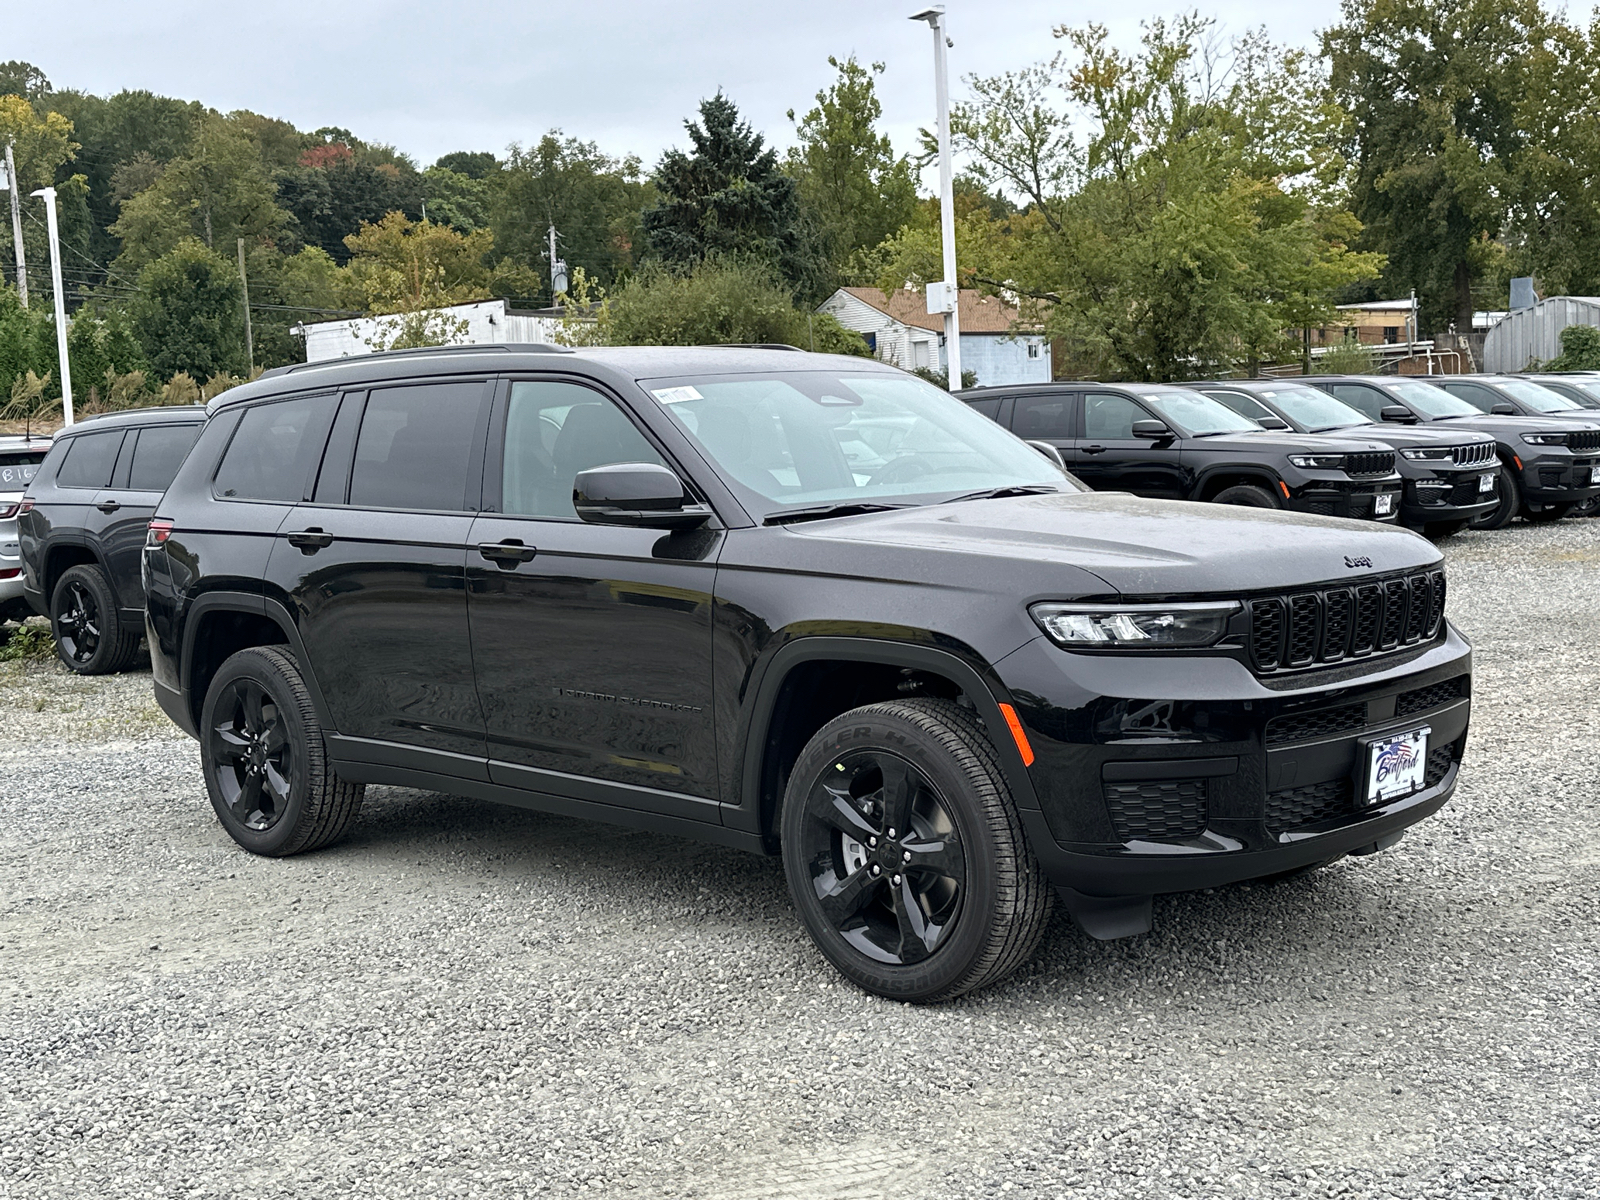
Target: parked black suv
column 1581, row 387
column 1550, row 463
column 1173, row 443
column 82, row 529
column 1449, row 475
column 800, row 604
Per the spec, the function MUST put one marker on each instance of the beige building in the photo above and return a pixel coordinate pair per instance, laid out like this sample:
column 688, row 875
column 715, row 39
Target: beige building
column 1375, row 323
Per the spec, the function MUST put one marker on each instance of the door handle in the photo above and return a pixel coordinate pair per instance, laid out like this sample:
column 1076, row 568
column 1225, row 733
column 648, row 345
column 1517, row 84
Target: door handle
column 310, row 540
column 507, row 554
column 108, row 506
column 1094, row 449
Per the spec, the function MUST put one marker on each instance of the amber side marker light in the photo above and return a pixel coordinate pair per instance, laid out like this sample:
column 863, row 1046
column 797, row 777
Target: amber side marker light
column 1018, row 734
column 1285, row 488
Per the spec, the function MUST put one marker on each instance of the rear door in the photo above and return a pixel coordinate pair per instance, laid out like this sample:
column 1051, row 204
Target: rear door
column 150, row 457
column 1110, row 458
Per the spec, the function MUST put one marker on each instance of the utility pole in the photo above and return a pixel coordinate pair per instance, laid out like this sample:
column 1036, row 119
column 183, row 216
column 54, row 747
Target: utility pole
column 49, row 195
column 946, row 298
column 558, row 270
column 16, row 226
column 244, row 285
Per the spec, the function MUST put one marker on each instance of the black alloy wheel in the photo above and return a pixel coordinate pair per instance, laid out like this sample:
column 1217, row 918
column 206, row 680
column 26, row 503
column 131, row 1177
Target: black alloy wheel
column 905, row 855
column 1586, row 508
column 1508, row 497
column 1248, row 495
column 84, row 618
column 265, row 763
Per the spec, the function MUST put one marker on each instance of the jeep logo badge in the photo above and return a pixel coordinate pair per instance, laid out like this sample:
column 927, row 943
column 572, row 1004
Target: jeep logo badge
column 1357, row 562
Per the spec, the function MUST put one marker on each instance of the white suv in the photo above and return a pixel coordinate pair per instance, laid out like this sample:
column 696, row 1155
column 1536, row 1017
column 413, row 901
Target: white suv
column 19, row 459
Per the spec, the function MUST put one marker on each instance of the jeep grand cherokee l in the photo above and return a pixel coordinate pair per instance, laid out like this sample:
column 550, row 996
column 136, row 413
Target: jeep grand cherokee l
column 800, row 604
column 1550, row 463
column 1449, row 476
column 1173, row 443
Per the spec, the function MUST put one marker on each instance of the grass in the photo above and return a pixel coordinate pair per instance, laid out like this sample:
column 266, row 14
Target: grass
column 29, row 643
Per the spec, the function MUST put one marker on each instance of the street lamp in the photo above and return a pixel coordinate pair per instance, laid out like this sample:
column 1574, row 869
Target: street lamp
column 944, row 297
column 49, row 195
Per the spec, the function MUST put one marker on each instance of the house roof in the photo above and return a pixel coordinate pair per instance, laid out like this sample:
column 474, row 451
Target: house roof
column 1378, row 306
column 979, row 313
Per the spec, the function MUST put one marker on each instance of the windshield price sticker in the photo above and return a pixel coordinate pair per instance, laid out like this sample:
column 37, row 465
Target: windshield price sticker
column 1396, row 766
column 677, row 395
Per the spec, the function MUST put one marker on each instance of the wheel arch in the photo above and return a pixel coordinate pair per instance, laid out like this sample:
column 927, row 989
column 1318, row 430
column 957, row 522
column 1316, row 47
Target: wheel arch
column 60, row 557
column 220, row 624
column 791, row 703
column 1215, row 479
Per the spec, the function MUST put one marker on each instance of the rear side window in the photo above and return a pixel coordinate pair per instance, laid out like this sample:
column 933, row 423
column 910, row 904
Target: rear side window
column 274, row 449
column 1041, row 417
column 158, row 455
column 18, row 469
column 89, row 460
column 415, row 446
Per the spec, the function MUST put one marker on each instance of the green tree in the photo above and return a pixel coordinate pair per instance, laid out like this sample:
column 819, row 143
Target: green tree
column 1580, row 350
column 729, row 197
column 23, row 79
column 453, row 199
column 401, row 266
column 342, row 183
column 187, row 313
column 856, row 189
column 1434, row 88
column 474, row 164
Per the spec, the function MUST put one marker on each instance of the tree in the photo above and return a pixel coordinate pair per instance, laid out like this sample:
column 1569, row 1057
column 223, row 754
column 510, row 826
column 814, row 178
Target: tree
column 340, row 183
column 1434, row 88
column 474, row 164
column 728, row 197
column 42, row 146
column 401, row 266
column 1580, row 350
column 23, row 79
column 187, row 313
column 856, row 189
column 453, row 199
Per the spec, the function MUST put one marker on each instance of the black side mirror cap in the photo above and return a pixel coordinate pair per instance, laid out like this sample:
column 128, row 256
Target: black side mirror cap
column 1397, row 412
column 644, row 495
column 1272, row 423
column 1051, row 452
column 1154, row 430
column 1502, row 409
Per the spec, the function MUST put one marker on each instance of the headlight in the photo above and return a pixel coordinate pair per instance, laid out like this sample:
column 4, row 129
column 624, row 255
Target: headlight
column 1427, row 455
column 1317, row 462
column 1545, row 439
column 1077, row 626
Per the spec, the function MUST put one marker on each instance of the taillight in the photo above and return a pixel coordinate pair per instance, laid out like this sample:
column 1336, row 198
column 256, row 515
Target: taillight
column 159, row 531
column 25, row 506
column 9, row 511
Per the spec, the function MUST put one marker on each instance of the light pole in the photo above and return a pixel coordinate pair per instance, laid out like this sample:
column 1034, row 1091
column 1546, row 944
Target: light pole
column 945, row 297
column 49, row 195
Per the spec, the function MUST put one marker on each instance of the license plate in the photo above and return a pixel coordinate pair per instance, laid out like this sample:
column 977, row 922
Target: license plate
column 1485, row 483
column 1396, row 765
column 1594, row 475
column 1383, row 505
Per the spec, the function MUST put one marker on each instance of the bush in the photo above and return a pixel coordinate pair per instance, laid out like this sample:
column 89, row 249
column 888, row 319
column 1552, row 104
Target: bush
column 31, row 642
column 1580, row 350
column 1351, row 358
column 941, row 378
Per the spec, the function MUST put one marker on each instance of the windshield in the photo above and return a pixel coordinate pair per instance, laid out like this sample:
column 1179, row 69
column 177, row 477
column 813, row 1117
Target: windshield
column 17, row 468
column 1538, row 397
column 1432, row 402
column 1194, row 415
column 1590, row 388
column 1315, row 410
column 806, row 438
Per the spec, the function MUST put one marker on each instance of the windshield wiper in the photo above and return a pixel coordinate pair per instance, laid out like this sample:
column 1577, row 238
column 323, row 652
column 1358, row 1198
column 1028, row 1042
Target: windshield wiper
column 789, row 515
column 1224, row 432
column 1015, row 489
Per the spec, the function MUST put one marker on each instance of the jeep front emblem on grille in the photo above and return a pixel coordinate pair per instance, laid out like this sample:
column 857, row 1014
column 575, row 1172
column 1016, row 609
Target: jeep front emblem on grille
column 1357, row 562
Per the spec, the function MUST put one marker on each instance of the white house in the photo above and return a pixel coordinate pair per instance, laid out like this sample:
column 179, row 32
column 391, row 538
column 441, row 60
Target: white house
column 900, row 330
column 489, row 322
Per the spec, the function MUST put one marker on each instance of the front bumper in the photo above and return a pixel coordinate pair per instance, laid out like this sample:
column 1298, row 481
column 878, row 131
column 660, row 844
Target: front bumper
column 1345, row 497
column 1447, row 496
column 1559, row 478
column 1167, row 773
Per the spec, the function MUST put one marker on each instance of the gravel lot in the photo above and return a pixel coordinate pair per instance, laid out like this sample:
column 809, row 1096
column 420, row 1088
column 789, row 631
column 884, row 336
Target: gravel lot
column 471, row 1000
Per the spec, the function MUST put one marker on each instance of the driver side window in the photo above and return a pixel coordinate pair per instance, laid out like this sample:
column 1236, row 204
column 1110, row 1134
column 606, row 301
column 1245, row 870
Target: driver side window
column 555, row 430
column 1363, row 399
column 1110, row 418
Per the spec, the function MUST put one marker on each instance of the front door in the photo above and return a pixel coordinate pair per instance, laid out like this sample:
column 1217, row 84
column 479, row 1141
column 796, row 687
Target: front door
column 592, row 642
column 374, row 564
column 1110, row 459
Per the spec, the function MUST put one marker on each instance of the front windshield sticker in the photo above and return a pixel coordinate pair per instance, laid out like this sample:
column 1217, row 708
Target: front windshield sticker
column 677, row 395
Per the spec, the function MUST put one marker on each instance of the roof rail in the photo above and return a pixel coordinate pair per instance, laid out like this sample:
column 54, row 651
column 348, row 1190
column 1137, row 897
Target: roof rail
column 758, row 346
column 416, row 351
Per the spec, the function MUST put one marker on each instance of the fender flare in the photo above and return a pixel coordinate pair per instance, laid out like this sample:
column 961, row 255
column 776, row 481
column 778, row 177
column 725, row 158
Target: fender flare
column 77, row 541
column 980, row 684
column 253, row 605
column 1266, row 474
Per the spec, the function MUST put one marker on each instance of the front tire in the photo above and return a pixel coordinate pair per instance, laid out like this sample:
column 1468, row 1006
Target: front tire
column 1509, row 494
column 1248, row 495
column 1544, row 514
column 905, row 855
column 87, row 624
column 1439, row 530
column 265, row 763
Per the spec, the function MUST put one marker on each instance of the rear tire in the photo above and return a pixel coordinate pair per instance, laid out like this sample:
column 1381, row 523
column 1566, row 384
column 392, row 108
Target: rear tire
column 1248, row 495
column 1544, row 514
column 87, row 624
column 264, row 760
column 905, row 855
column 1439, row 530
column 1509, row 494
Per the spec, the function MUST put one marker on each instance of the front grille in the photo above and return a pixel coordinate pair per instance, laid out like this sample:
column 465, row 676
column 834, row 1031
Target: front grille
column 1302, row 727
column 1474, row 455
column 1326, row 626
column 1423, row 699
column 1293, row 807
column 1581, row 441
column 1153, row 811
column 1374, row 463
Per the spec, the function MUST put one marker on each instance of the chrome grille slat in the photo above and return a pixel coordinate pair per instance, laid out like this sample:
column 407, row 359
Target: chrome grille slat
column 1476, row 455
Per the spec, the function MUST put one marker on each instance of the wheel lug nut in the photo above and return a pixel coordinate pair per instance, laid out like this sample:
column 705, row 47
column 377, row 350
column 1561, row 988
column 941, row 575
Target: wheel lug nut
column 891, row 833
column 872, row 841
column 906, row 857
column 876, row 869
column 896, row 881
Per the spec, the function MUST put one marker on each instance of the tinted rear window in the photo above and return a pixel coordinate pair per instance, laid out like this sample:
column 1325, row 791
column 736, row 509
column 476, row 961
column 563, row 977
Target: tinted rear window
column 415, row 446
column 18, row 467
column 90, row 457
column 271, row 455
column 159, row 454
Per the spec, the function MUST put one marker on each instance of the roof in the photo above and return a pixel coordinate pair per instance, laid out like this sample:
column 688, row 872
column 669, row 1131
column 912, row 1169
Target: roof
column 137, row 416
column 978, row 313
column 627, row 362
column 1379, row 306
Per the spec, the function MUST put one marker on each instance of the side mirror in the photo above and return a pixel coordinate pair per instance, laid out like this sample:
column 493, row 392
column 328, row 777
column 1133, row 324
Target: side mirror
column 644, row 495
column 1272, row 423
column 1049, row 451
column 1156, row 431
column 1502, row 409
column 1397, row 412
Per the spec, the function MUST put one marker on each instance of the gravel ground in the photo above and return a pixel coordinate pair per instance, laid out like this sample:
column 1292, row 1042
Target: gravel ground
column 471, row 1000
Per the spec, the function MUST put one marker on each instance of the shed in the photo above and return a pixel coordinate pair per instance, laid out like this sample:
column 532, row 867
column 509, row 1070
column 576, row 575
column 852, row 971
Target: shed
column 1534, row 334
column 488, row 322
column 900, row 330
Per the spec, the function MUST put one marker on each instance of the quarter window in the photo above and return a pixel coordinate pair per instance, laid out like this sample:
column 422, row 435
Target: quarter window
column 555, row 430
column 415, row 447
column 273, row 450
column 159, row 454
column 89, row 460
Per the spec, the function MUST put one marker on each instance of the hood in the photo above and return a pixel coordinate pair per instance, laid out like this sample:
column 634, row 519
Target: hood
column 1136, row 546
column 1446, row 433
column 1496, row 424
column 1285, row 442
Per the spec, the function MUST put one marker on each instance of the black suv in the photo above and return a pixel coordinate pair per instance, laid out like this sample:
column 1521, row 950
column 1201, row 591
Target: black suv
column 83, row 524
column 1551, row 463
column 1173, row 443
column 1581, row 387
column 799, row 604
column 1449, row 475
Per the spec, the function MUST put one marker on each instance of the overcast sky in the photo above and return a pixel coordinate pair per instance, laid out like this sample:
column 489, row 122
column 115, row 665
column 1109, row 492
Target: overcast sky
column 431, row 78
